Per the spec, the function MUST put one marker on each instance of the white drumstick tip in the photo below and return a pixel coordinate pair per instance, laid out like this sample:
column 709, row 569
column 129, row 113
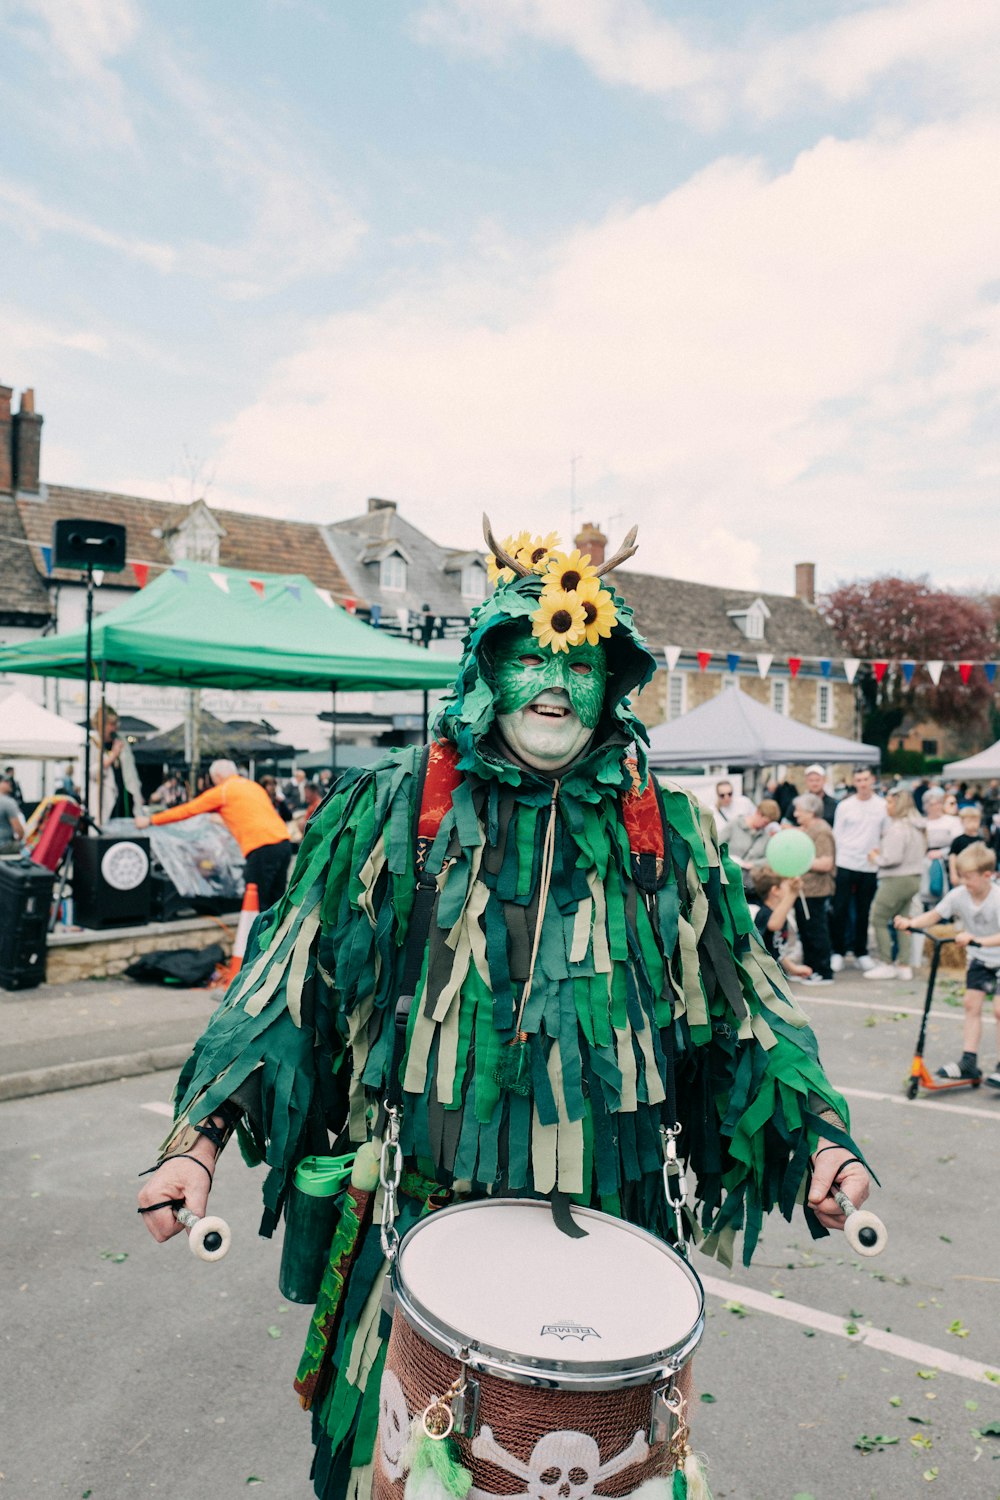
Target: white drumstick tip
column 208, row 1238
column 865, row 1232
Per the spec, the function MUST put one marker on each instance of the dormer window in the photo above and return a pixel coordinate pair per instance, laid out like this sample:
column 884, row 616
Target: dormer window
column 750, row 619
column 196, row 538
column 392, row 574
column 474, row 582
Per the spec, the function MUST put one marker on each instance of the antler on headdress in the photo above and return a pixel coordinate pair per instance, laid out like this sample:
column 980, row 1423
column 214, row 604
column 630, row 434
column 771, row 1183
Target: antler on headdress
column 627, row 549
column 504, row 560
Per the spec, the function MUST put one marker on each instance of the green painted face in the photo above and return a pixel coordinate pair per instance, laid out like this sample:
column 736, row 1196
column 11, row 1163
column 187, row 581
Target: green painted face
column 524, row 669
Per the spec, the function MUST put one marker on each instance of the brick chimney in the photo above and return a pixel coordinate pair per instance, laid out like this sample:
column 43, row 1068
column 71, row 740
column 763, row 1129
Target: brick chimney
column 6, row 439
column 592, row 539
column 27, row 445
column 375, row 504
column 805, row 582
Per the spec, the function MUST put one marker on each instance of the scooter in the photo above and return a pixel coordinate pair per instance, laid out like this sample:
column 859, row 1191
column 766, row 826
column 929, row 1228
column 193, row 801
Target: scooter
column 919, row 1076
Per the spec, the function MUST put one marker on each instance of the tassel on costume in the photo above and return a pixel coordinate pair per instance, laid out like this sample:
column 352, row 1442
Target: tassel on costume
column 689, row 1480
column 436, row 1471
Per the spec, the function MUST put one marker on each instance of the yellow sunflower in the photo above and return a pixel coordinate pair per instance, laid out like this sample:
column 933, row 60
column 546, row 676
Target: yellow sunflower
column 512, row 545
column 567, row 571
column 559, row 621
column 599, row 613
column 536, row 554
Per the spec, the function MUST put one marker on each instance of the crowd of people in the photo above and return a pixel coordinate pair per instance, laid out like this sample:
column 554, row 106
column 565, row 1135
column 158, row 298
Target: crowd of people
column 888, row 860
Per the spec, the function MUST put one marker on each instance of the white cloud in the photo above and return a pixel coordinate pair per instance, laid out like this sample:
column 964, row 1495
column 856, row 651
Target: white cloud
column 722, row 358
column 78, row 41
column 23, row 337
column 26, row 213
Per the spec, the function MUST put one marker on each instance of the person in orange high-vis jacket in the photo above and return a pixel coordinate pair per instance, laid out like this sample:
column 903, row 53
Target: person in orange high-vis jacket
column 251, row 817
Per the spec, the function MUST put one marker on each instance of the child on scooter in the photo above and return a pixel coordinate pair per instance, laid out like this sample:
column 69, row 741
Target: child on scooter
column 976, row 902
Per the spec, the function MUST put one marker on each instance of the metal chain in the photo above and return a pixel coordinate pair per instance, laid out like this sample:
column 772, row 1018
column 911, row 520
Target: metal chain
column 674, row 1177
column 390, row 1172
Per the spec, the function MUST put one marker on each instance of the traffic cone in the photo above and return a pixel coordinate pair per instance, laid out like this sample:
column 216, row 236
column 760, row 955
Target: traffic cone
column 249, row 912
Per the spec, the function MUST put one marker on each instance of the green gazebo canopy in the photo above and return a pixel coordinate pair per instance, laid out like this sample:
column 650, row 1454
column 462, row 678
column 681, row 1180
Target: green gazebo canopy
column 203, row 626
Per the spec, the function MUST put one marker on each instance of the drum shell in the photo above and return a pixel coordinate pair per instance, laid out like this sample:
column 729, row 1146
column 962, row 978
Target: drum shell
column 517, row 1415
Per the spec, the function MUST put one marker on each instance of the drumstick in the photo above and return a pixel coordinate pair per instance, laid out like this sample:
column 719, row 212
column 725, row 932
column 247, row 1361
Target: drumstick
column 209, row 1238
column 865, row 1231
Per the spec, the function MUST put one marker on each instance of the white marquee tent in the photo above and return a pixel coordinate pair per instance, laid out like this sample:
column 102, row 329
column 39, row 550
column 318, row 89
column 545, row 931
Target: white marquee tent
column 981, row 767
column 30, row 732
column 734, row 730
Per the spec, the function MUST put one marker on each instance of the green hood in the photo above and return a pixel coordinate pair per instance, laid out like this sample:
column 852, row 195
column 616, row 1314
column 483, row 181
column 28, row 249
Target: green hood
column 468, row 714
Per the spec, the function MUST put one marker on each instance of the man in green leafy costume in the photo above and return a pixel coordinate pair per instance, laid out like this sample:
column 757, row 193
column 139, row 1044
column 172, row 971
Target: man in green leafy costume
column 568, row 987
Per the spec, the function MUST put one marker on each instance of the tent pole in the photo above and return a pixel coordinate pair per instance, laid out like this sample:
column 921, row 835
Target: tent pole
column 87, row 667
column 333, row 727
column 100, row 737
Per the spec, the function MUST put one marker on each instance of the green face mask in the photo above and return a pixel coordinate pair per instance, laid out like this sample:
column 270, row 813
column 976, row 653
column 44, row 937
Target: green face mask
column 524, row 669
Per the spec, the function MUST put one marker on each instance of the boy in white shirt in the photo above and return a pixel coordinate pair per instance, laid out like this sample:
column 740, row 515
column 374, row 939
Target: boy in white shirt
column 977, row 903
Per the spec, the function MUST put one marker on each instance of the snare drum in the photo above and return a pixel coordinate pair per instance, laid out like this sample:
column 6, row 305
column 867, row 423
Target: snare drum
column 567, row 1349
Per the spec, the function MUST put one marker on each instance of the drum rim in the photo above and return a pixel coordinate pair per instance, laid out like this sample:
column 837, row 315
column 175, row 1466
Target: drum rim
column 553, row 1373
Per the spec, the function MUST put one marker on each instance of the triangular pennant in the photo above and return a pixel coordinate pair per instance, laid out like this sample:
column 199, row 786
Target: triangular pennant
column 794, row 663
column 351, row 605
column 673, row 655
column 257, row 584
column 934, row 670
column 46, row 552
column 704, row 657
column 825, row 665
column 221, row 581
column 880, row 668
column 141, row 571
column 375, row 615
column 403, row 616
column 764, row 664
column 732, row 660
column 181, row 573
column 965, row 671
column 908, row 668
column 326, row 597
column 990, row 668
column 98, row 576
column 851, row 665
column 295, row 592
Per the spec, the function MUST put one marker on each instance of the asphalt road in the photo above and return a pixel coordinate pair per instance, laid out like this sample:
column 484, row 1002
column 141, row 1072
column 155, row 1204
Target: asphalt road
column 132, row 1369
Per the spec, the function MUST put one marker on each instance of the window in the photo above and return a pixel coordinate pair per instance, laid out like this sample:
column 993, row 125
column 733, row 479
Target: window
column 779, row 695
column 473, row 582
column 392, row 573
column 676, row 694
column 730, row 679
column 753, row 625
column 824, row 705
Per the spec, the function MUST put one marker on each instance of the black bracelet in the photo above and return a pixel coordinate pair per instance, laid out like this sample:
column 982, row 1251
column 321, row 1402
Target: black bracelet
column 188, row 1157
column 847, row 1163
column 829, row 1148
column 167, row 1203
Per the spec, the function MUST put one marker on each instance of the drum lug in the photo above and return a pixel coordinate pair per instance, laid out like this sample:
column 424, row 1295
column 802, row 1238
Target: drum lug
column 465, row 1405
column 664, row 1413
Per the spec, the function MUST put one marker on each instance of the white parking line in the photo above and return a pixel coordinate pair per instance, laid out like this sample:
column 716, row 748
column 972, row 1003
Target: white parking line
column 986, row 1113
column 924, row 1355
column 894, row 1010
column 159, row 1109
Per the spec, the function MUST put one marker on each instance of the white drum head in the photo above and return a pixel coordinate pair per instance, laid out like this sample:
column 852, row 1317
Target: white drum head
column 499, row 1278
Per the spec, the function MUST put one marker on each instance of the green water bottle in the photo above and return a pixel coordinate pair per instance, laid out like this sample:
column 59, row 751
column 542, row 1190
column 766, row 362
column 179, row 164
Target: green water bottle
column 311, row 1214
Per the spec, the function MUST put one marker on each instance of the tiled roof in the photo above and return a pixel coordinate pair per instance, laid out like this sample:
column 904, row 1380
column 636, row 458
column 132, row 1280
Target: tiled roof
column 674, row 612
column 263, row 543
column 360, row 539
column 22, row 591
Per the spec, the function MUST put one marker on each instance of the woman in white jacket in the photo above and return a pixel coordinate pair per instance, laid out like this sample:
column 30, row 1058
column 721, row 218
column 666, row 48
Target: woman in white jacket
column 900, row 863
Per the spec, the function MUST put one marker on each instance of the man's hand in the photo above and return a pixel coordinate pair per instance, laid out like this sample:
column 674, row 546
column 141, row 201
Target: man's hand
column 141, row 821
column 178, row 1177
column 853, row 1180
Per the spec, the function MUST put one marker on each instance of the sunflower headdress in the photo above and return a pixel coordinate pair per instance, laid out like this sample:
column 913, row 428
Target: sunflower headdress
column 572, row 605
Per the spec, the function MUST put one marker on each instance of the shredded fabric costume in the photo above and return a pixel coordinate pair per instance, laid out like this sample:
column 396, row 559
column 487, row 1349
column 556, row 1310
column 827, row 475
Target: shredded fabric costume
column 534, row 876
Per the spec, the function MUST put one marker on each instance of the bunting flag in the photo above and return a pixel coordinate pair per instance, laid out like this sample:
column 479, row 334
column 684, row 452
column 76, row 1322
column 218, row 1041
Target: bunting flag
column 908, row 668
column 221, row 581
column 851, row 665
column 326, row 597
column 46, row 552
column 965, row 671
column 825, row 665
column 403, row 616
column 764, row 664
column 673, row 655
column 376, row 615
column 704, row 657
column 295, row 592
column 141, row 571
column 990, row 668
column 934, row 670
column 733, row 660
column 98, row 576
column 880, row 668
column 181, row 573
column 794, row 663
column 257, row 584
column 351, row 605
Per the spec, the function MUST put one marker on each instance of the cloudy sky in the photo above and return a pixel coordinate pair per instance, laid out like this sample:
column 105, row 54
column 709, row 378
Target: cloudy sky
column 731, row 271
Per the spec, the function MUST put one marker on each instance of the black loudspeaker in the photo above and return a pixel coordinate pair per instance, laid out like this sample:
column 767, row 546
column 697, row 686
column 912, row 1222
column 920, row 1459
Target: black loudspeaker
column 111, row 881
column 25, row 897
column 99, row 544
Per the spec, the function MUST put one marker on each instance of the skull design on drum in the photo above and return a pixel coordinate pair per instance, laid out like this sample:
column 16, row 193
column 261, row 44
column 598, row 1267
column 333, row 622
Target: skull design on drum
column 393, row 1425
column 562, row 1466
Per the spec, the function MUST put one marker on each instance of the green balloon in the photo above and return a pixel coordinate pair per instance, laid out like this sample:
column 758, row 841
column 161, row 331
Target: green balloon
column 790, row 853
